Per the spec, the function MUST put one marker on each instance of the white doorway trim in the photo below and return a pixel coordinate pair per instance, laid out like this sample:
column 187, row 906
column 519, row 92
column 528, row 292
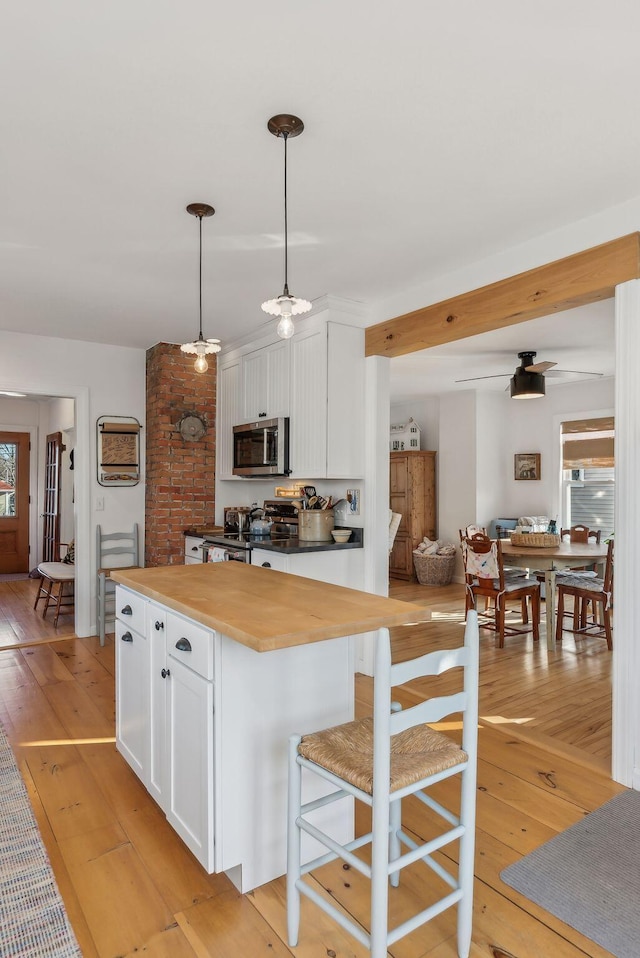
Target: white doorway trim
column 84, row 543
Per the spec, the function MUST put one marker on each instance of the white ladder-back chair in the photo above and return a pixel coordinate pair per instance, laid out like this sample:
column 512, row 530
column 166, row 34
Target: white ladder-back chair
column 114, row 550
column 380, row 761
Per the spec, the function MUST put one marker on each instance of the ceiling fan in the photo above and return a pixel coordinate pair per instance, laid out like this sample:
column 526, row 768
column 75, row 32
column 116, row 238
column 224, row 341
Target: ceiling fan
column 528, row 380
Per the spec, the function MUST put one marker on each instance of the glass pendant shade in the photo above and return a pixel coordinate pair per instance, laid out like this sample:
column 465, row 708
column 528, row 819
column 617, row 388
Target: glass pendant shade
column 201, row 347
column 285, row 306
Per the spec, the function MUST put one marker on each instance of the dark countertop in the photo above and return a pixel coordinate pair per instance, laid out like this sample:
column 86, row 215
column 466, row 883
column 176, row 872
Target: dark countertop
column 292, row 545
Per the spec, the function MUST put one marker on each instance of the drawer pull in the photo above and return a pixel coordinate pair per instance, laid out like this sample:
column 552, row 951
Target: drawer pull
column 158, row 625
column 127, row 610
column 195, row 548
column 183, row 645
column 126, row 637
column 266, row 565
column 165, row 673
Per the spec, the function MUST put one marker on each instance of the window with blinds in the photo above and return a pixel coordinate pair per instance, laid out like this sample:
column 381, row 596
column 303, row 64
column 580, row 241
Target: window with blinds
column 588, row 473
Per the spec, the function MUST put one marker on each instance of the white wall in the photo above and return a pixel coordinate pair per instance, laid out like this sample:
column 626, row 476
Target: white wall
column 103, row 380
column 457, row 464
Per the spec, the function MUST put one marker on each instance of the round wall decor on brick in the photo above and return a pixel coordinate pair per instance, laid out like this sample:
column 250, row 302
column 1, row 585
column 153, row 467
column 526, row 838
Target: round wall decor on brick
column 192, row 427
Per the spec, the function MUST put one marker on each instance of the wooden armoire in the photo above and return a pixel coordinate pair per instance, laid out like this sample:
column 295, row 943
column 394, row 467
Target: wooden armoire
column 412, row 493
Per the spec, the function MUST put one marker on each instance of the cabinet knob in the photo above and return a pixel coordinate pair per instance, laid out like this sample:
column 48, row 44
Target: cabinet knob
column 183, row 645
column 158, row 625
column 266, row 565
column 126, row 637
column 127, row 610
column 165, row 673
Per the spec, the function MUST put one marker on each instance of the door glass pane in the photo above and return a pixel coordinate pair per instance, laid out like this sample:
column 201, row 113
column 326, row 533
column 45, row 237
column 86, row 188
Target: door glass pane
column 8, row 478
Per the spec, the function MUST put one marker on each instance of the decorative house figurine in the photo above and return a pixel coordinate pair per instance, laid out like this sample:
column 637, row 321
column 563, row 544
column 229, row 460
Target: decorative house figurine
column 405, row 436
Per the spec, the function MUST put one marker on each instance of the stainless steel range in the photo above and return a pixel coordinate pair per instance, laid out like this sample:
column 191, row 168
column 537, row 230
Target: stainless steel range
column 236, row 546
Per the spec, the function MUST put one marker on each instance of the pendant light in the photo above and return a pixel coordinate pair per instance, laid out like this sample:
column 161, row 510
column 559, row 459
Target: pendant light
column 286, row 305
column 201, row 347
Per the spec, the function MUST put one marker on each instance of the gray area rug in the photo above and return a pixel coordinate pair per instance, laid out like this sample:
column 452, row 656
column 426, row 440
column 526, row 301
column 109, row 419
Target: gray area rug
column 33, row 921
column 589, row 876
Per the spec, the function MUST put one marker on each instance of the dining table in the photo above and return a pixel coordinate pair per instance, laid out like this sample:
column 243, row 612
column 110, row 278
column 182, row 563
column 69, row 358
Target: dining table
column 551, row 559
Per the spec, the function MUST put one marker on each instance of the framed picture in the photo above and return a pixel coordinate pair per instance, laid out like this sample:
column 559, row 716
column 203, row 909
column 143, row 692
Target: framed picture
column 526, row 465
column 118, row 446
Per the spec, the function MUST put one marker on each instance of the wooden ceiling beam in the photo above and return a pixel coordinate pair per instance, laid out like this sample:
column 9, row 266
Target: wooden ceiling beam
column 573, row 281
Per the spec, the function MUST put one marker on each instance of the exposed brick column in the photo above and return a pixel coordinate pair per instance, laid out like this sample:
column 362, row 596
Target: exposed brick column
column 180, row 484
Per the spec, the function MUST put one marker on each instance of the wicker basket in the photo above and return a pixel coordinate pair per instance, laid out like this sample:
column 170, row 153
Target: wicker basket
column 434, row 569
column 536, row 540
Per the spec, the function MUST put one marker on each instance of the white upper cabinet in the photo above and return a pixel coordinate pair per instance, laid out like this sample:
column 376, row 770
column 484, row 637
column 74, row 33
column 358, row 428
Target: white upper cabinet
column 265, row 382
column 229, row 415
column 327, row 402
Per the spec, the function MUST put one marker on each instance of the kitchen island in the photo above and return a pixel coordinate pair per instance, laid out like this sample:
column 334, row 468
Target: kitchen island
column 216, row 665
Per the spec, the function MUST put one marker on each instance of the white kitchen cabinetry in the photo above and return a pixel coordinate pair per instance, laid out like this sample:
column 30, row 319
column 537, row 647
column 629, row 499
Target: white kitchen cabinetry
column 338, row 567
column 327, row 402
column 132, row 683
column 193, row 549
column 229, row 415
column 178, row 697
column 265, row 382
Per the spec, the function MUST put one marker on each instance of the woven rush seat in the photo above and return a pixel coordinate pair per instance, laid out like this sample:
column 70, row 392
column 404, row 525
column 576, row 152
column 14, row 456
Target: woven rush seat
column 347, row 751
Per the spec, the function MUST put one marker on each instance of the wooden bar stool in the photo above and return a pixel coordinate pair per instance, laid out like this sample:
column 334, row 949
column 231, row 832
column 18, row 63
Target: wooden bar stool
column 380, row 761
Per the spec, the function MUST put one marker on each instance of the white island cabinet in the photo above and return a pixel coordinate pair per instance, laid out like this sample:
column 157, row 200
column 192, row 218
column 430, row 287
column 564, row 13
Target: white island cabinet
column 204, row 715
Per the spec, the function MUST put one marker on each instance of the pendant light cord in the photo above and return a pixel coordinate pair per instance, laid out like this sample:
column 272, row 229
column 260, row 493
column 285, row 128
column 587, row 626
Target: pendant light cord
column 200, row 274
column 286, row 238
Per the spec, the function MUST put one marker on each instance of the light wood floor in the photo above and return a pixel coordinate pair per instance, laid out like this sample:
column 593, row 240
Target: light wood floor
column 132, row 888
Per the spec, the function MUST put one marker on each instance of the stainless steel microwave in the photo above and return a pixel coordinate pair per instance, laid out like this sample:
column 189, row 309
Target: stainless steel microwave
column 261, row 448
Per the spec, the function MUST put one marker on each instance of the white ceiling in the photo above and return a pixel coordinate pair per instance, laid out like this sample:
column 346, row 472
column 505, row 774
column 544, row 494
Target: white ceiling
column 578, row 340
column 436, row 133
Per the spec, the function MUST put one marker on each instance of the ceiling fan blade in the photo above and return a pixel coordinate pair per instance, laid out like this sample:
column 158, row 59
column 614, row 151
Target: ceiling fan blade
column 573, row 372
column 539, row 367
column 474, row 378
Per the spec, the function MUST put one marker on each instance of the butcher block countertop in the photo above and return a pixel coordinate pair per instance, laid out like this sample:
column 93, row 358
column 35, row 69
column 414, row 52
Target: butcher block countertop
column 264, row 609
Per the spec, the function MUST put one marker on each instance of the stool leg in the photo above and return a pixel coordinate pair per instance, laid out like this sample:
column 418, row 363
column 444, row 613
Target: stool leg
column 395, row 821
column 101, row 607
column 293, row 842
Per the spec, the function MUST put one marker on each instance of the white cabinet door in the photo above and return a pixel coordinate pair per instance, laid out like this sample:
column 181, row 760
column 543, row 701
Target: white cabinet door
column 265, row 382
column 193, row 549
column 308, row 426
column 132, row 698
column 327, row 402
column 230, row 414
column 190, row 744
column 158, row 692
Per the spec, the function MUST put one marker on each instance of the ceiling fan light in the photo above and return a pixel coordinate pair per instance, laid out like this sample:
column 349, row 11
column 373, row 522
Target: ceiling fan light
column 526, row 385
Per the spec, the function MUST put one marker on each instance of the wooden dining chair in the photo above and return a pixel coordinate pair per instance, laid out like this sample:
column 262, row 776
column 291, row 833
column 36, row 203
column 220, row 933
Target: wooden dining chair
column 485, row 577
column 580, row 533
column 586, row 590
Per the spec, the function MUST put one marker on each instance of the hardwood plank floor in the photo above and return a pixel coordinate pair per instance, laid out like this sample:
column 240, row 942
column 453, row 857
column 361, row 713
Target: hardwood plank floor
column 130, row 885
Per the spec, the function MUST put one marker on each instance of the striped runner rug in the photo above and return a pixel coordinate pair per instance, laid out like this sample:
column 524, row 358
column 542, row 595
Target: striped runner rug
column 33, row 921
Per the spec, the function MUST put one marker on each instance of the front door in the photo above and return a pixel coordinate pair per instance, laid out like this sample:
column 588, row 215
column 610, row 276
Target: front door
column 14, row 502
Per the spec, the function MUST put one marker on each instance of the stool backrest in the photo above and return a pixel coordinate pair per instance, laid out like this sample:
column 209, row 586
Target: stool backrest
column 117, row 550
column 387, row 722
